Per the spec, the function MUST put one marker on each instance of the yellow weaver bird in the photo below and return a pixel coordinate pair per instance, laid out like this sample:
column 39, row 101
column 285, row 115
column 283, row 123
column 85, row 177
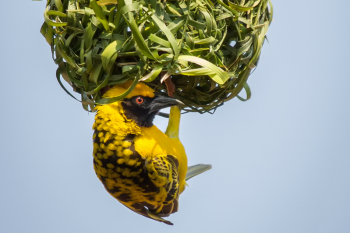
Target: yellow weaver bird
column 142, row 167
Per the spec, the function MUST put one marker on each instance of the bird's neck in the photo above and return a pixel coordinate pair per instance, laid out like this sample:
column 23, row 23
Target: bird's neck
column 111, row 118
column 142, row 119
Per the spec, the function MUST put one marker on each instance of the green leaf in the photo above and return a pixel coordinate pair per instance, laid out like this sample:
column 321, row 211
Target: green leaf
column 244, row 46
column 95, row 72
column 99, row 87
column 271, row 11
column 109, row 55
column 220, row 76
column 59, row 5
column 57, row 13
column 224, row 16
column 228, row 8
column 196, row 24
column 122, row 96
column 208, row 40
column 177, row 24
column 168, row 34
column 132, row 7
column 247, row 90
column 65, row 68
column 128, row 68
column 47, row 32
column 198, row 50
column 138, row 37
column 65, row 56
column 153, row 74
column 89, row 34
column 99, row 14
column 218, row 45
column 239, row 8
column 58, row 76
column 107, row 2
column 71, row 37
column 171, row 8
column 86, row 102
column 118, row 19
column 242, row 80
column 208, row 21
column 50, row 22
column 198, row 72
column 159, row 40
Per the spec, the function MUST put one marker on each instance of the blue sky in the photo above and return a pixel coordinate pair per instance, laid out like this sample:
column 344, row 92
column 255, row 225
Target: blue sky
column 280, row 160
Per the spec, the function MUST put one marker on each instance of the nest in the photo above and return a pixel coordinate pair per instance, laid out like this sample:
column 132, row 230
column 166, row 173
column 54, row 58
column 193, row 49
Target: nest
column 207, row 47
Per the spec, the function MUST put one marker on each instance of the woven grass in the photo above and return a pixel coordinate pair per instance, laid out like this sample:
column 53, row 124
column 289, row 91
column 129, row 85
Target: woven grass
column 208, row 48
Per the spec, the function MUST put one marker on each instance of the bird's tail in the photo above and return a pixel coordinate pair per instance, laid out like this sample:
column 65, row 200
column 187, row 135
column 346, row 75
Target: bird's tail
column 142, row 210
column 194, row 170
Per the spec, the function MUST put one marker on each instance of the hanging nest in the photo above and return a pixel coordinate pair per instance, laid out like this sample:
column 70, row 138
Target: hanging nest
column 207, row 47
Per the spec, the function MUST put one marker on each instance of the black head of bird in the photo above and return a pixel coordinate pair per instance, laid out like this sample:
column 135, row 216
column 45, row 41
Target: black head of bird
column 143, row 109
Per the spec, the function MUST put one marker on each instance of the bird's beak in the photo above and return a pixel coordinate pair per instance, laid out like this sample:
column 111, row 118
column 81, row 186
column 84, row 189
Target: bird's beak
column 160, row 102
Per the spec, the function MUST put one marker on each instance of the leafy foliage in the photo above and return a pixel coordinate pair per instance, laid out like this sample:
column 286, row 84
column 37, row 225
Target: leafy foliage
column 209, row 47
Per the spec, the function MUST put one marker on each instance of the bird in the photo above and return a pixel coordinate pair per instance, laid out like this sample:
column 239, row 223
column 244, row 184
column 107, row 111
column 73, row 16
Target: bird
column 139, row 165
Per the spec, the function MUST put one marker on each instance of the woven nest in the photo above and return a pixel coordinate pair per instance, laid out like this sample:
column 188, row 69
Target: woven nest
column 208, row 48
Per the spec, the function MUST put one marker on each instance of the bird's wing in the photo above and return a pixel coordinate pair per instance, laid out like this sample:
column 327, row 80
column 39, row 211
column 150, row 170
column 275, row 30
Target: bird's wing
column 163, row 172
column 194, row 170
column 147, row 186
column 142, row 210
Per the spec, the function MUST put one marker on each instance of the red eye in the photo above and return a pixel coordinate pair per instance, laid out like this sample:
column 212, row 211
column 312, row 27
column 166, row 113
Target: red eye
column 139, row 100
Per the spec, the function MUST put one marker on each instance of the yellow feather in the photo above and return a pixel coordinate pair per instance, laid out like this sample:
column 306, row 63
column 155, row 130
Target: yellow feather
column 121, row 170
column 140, row 89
